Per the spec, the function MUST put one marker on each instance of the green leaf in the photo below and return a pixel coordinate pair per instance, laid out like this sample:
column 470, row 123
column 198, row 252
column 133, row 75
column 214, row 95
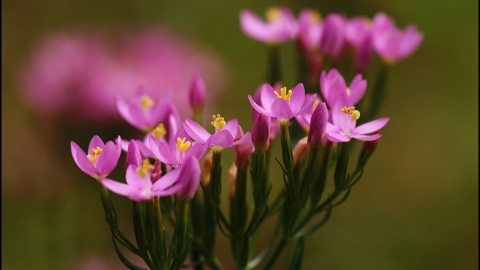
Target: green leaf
column 124, row 260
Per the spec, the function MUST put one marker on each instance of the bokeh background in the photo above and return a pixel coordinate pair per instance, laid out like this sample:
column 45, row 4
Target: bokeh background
column 415, row 208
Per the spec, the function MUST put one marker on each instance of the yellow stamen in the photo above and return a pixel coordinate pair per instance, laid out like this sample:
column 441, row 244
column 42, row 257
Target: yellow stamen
column 283, row 94
column 182, row 145
column 315, row 16
column 351, row 111
column 146, row 166
column 95, row 153
column 146, row 102
column 218, row 122
column 159, row 131
column 272, row 14
column 315, row 104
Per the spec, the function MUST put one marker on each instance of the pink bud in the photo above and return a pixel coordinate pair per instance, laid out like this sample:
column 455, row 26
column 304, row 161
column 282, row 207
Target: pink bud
column 156, row 172
column 300, row 150
column 189, row 177
column 260, row 131
column 318, row 125
column 134, row 156
column 197, row 93
column 333, row 37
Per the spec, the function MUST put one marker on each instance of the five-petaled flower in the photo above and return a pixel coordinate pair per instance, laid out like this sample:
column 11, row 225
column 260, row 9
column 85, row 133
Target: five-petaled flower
column 101, row 159
column 284, row 105
column 344, row 126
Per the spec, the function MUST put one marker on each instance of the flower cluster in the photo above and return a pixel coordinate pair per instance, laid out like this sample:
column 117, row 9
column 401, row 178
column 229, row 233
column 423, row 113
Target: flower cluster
column 177, row 155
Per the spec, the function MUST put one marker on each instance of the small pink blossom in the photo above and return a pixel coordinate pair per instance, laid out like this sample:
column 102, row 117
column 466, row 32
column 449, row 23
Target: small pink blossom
column 333, row 87
column 310, row 29
column 280, row 25
column 344, row 126
column 102, row 157
column 284, row 105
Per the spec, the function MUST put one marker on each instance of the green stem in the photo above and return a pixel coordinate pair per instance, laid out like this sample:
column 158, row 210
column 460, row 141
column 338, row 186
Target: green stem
column 278, row 250
column 378, row 93
column 274, row 73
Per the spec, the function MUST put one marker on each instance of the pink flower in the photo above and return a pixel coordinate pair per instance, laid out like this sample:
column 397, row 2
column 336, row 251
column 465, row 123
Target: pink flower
column 176, row 151
column 225, row 132
column 284, row 105
column 197, row 93
column 344, row 126
column 142, row 112
column 244, row 149
column 280, row 26
column 391, row 43
column 273, row 123
column 358, row 34
column 101, row 161
column 310, row 29
column 333, row 35
column 139, row 183
column 189, row 178
column 76, row 74
column 304, row 118
column 333, row 87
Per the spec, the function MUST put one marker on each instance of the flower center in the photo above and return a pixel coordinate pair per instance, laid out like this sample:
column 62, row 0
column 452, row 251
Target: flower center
column 159, row 131
column 182, row 145
column 272, row 14
column 146, row 102
column 351, row 111
column 283, row 94
column 146, row 166
column 218, row 122
column 95, row 153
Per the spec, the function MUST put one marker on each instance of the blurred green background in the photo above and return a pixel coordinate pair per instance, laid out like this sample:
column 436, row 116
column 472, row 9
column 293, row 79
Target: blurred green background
column 415, row 208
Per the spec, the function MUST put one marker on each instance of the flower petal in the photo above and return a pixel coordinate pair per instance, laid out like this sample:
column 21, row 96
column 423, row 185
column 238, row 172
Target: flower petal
column 222, row 139
column 94, row 143
column 166, row 181
column 297, row 98
column 254, row 26
column 135, row 180
column 247, row 137
column 119, row 188
column 337, row 137
column 195, row 131
column 267, row 96
column 281, row 109
column 307, row 105
column 260, row 109
column 357, row 89
column 367, row 137
column 163, row 152
column 232, row 127
column 371, row 126
column 82, row 161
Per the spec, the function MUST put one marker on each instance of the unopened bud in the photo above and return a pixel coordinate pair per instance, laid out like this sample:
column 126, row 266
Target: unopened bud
column 367, row 150
column 300, row 150
column 232, row 180
column 134, row 156
column 260, row 131
column 206, row 167
column 197, row 94
column 318, row 125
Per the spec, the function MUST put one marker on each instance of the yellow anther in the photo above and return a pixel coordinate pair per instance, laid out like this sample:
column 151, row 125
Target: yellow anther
column 272, row 14
column 95, row 153
column 146, row 102
column 218, row 122
column 146, row 166
column 355, row 115
column 351, row 110
column 283, row 94
column 182, row 145
column 348, row 91
column 315, row 104
column 159, row 131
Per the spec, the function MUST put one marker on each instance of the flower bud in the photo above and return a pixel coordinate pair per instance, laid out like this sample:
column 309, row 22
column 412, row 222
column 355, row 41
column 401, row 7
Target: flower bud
column 300, row 150
column 318, row 125
column 333, row 37
column 260, row 131
column 232, row 179
column 206, row 167
column 197, row 93
column 134, row 156
column 367, row 150
column 189, row 178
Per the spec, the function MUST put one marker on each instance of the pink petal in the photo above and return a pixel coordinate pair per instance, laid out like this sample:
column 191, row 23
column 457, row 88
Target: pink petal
column 222, row 138
column 124, row 110
column 307, row 105
column 82, row 161
column 253, row 26
column 267, row 96
column 337, row 137
column 357, row 89
column 108, row 159
column 371, row 126
column 195, row 131
column 232, row 127
column 281, row 109
column 297, row 98
column 260, row 109
column 135, row 180
column 119, row 188
column 166, row 181
column 367, row 137
column 195, row 150
column 163, row 152
column 247, row 137
column 94, row 143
